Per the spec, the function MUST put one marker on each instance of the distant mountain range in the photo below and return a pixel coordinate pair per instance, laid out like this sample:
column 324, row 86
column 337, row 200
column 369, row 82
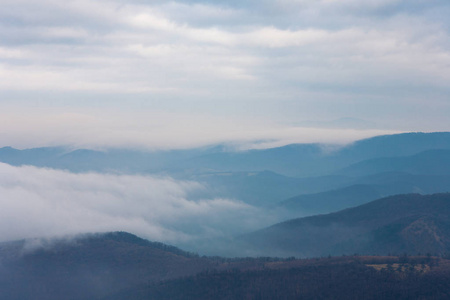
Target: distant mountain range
column 298, row 160
column 365, row 189
column 430, row 162
column 405, row 223
column 314, row 178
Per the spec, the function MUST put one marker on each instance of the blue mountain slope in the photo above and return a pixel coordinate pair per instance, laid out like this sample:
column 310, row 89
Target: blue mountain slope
column 299, row 160
column 431, row 162
column 366, row 189
column 404, row 223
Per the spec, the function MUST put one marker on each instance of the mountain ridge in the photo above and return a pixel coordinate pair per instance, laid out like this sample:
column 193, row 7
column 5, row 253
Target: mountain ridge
column 362, row 229
column 297, row 160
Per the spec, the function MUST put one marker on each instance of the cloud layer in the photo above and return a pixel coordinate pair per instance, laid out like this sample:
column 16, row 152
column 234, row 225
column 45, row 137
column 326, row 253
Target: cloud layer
column 149, row 130
column 202, row 48
column 386, row 61
column 44, row 203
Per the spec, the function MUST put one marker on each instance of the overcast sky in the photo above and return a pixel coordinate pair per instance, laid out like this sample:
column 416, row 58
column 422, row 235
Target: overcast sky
column 187, row 73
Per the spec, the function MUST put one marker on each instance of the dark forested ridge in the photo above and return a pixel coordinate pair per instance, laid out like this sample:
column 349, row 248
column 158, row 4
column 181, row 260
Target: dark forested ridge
column 327, row 278
column 119, row 265
column 88, row 266
column 410, row 223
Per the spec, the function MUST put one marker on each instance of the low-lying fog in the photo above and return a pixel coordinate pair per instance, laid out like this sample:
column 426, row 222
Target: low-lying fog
column 38, row 202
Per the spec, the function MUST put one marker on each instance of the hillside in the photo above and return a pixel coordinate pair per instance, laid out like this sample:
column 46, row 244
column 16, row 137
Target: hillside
column 119, row 265
column 264, row 188
column 430, row 162
column 303, row 160
column 298, row 160
column 329, row 278
column 405, row 223
column 332, row 200
column 366, row 189
column 88, row 266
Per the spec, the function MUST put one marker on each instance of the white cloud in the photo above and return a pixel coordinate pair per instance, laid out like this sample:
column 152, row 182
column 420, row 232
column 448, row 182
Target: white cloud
column 87, row 56
column 315, row 55
column 44, row 203
column 150, row 129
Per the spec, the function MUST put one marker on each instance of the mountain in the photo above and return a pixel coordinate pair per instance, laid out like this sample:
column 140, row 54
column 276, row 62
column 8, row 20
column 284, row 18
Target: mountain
column 119, row 265
column 35, row 156
column 431, row 162
column 88, row 266
column 83, row 160
column 395, row 145
column 366, row 189
column 333, row 200
column 264, row 188
column 389, row 278
column 302, row 160
column 296, row 160
column 265, row 177
column 410, row 223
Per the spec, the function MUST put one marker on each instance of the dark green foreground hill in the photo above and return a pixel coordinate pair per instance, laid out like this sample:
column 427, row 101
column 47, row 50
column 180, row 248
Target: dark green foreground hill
column 404, row 223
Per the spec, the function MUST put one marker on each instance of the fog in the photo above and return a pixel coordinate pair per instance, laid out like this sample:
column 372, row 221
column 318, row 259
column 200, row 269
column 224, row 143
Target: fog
column 40, row 202
column 152, row 129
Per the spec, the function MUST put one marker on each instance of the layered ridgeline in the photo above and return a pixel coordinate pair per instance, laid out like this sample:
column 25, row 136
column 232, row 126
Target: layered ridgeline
column 117, row 266
column 364, row 189
column 305, row 179
column 297, row 160
column 431, row 162
column 410, row 223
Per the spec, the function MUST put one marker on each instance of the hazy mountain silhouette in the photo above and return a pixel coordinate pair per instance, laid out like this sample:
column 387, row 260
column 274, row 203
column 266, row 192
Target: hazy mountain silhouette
column 431, row 162
column 333, row 200
column 315, row 159
column 291, row 160
column 405, row 223
column 366, row 189
column 265, row 177
column 264, row 188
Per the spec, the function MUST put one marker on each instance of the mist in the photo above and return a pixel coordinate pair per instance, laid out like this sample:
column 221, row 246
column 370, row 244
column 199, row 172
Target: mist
column 38, row 202
column 158, row 130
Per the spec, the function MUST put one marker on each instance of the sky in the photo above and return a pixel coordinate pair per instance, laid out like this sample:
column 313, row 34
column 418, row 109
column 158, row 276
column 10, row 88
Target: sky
column 180, row 74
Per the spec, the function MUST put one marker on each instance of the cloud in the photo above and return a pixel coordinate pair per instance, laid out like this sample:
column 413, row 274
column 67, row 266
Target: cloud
column 150, row 130
column 284, row 59
column 110, row 45
column 44, row 203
